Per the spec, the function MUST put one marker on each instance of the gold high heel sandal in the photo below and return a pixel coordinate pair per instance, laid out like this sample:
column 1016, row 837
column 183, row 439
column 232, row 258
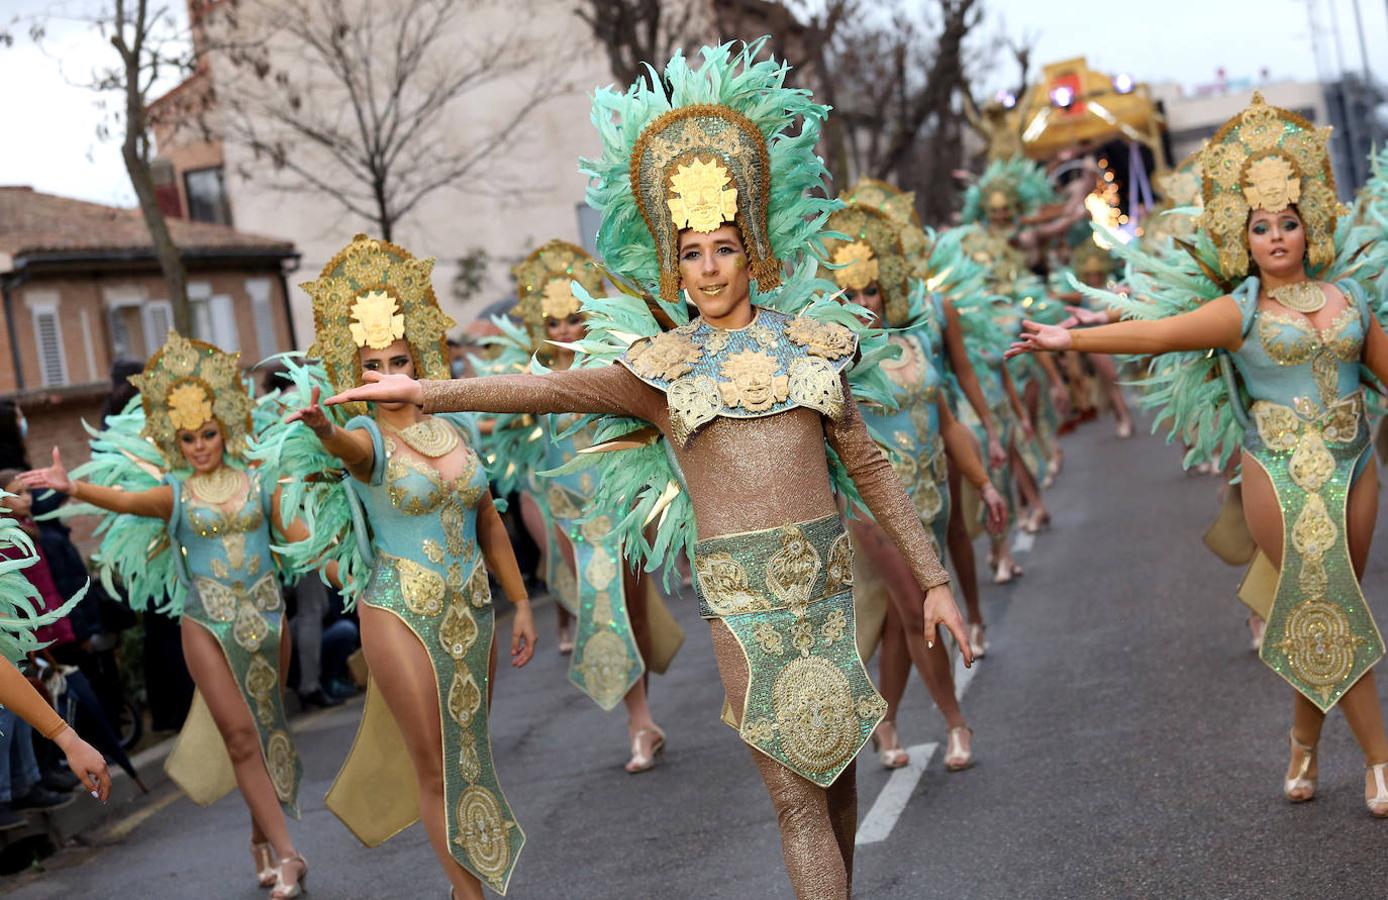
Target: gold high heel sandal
column 644, row 762
column 978, row 644
column 1378, row 804
column 959, row 754
column 283, row 889
column 1301, row 787
column 264, row 857
column 893, row 757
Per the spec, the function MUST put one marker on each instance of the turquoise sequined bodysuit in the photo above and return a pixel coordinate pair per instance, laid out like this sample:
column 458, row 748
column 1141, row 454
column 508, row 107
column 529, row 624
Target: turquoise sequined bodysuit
column 233, row 592
column 1309, row 432
column 429, row 572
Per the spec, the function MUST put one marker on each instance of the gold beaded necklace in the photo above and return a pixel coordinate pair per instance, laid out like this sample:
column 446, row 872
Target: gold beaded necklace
column 215, row 487
column 429, row 437
column 1302, row 297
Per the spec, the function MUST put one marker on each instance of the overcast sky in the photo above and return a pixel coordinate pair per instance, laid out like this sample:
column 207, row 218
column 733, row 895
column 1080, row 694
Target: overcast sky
column 52, row 141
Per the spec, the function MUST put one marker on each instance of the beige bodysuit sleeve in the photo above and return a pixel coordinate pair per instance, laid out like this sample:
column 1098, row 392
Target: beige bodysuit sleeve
column 608, row 389
column 881, row 488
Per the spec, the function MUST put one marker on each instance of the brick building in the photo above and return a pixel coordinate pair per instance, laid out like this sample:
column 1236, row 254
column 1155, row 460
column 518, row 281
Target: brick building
column 81, row 288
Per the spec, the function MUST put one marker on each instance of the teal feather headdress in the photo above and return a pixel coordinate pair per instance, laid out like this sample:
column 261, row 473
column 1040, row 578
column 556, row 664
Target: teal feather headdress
column 686, row 147
column 1021, row 182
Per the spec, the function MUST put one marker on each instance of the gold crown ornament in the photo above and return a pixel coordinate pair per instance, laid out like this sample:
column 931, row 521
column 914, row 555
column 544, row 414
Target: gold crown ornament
column 1268, row 158
column 699, row 167
column 871, row 253
column 544, row 285
column 370, row 295
column 187, row 384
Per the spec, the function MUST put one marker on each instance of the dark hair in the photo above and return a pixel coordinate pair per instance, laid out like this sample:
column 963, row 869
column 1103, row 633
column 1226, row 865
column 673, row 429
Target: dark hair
column 12, row 450
column 122, row 391
column 8, row 475
column 275, row 378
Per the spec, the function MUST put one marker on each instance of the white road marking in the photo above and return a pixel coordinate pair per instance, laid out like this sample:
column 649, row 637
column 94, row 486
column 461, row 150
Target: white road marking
column 889, row 804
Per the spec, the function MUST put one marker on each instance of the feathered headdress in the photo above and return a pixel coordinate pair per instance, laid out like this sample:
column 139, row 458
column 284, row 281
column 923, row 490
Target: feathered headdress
column 696, row 148
column 900, row 207
column 186, row 384
column 1268, row 158
column 372, row 294
column 544, row 285
column 869, row 251
column 1017, row 183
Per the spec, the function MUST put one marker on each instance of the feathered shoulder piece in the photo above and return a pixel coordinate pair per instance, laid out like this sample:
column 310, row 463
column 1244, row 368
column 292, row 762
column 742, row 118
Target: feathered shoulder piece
column 134, row 558
column 696, row 147
column 313, row 485
column 19, row 599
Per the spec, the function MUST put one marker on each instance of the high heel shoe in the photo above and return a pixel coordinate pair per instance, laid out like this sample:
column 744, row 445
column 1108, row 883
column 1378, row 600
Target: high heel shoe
column 1006, row 571
column 1301, row 786
column 264, row 857
column 1378, row 804
column 642, row 762
column 1038, row 521
column 978, row 644
column 566, row 641
column 284, row 889
column 892, row 757
column 959, row 753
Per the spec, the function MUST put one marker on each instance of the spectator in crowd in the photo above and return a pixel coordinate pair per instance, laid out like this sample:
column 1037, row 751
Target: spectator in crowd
column 14, row 428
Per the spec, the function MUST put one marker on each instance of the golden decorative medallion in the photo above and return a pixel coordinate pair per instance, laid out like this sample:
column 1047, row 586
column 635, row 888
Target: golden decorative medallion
column 483, row 833
column 751, row 381
column 464, row 698
column 265, row 594
column 377, row 321
column 479, row 590
column 815, row 384
column 840, row 565
column 251, row 629
column 815, row 715
column 601, row 569
column 279, row 759
column 1278, row 425
column 834, row 627
column 431, row 437
column 469, row 765
column 261, row 683
column 1302, row 297
column 693, row 402
column 723, row 583
column 216, row 487
column 829, row 340
column 422, row 587
column 700, row 197
column 218, row 600
column 458, row 631
column 1319, row 645
column 667, row 356
column 768, row 638
column 1312, row 464
column 792, row 571
column 454, row 521
column 604, row 665
column 1272, row 184
column 858, row 266
column 189, row 406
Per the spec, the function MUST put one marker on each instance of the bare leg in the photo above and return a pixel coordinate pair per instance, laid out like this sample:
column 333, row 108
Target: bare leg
column 894, row 666
column 402, row 670
column 211, row 673
column 534, row 521
column 814, row 852
column 1030, row 491
column 1108, row 380
column 961, row 549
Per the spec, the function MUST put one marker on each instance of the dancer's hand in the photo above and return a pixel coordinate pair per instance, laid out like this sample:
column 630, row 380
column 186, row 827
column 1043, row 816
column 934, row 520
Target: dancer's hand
column 996, row 518
column 997, row 456
column 86, row 763
column 52, row 478
column 1038, row 338
column 1081, row 316
column 939, row 609
column 522, row 636
column 382, row 388
column 314, row 417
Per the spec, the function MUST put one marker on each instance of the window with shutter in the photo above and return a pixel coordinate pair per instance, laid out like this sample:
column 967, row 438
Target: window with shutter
column 48, row 340
column 158, row 316
column 262, row 317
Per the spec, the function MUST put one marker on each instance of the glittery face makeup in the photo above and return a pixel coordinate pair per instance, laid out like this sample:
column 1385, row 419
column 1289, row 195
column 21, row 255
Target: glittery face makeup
column 713, row 271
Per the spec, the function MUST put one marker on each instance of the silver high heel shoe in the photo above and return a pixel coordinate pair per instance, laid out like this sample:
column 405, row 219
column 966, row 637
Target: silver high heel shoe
column 1378, row 804
column 1301, row 787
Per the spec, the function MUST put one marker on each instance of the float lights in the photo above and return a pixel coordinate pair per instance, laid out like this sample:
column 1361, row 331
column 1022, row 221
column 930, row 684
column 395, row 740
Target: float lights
column 1006, row 98
column 1062, row 96
column 1123, row 83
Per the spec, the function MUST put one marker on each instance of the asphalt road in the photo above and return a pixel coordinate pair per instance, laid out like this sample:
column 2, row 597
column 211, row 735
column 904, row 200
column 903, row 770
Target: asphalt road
column 1129, row 745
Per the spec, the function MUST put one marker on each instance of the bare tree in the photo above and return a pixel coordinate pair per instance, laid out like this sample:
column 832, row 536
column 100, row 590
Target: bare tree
column 151, row 45
column 634, row 32
column 346, row 98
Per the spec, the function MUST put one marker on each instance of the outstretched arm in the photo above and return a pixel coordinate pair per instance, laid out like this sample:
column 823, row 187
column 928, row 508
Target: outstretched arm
column 354, row 447
column 17, row 695
column 1217, row 325
column 608, row 389
column 968, row 382
column 887, row 500
column 501, row 562
column 157, row 502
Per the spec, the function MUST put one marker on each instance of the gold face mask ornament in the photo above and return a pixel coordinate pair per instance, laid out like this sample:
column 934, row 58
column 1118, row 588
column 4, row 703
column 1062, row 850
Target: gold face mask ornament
column 376, row 320
column 189, row 406
column 187, row 384
column 859, row 266
column 701, row 197
column 558, row 300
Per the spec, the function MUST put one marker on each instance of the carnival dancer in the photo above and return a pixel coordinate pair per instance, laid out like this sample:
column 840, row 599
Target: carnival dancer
column 939, row 261
column 19, row 618
column 1093, row 266
column 703, row 187
column 586, row 567
column 917, row 435
column 1267, row 288
column 411, row 532
column 171, row 474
